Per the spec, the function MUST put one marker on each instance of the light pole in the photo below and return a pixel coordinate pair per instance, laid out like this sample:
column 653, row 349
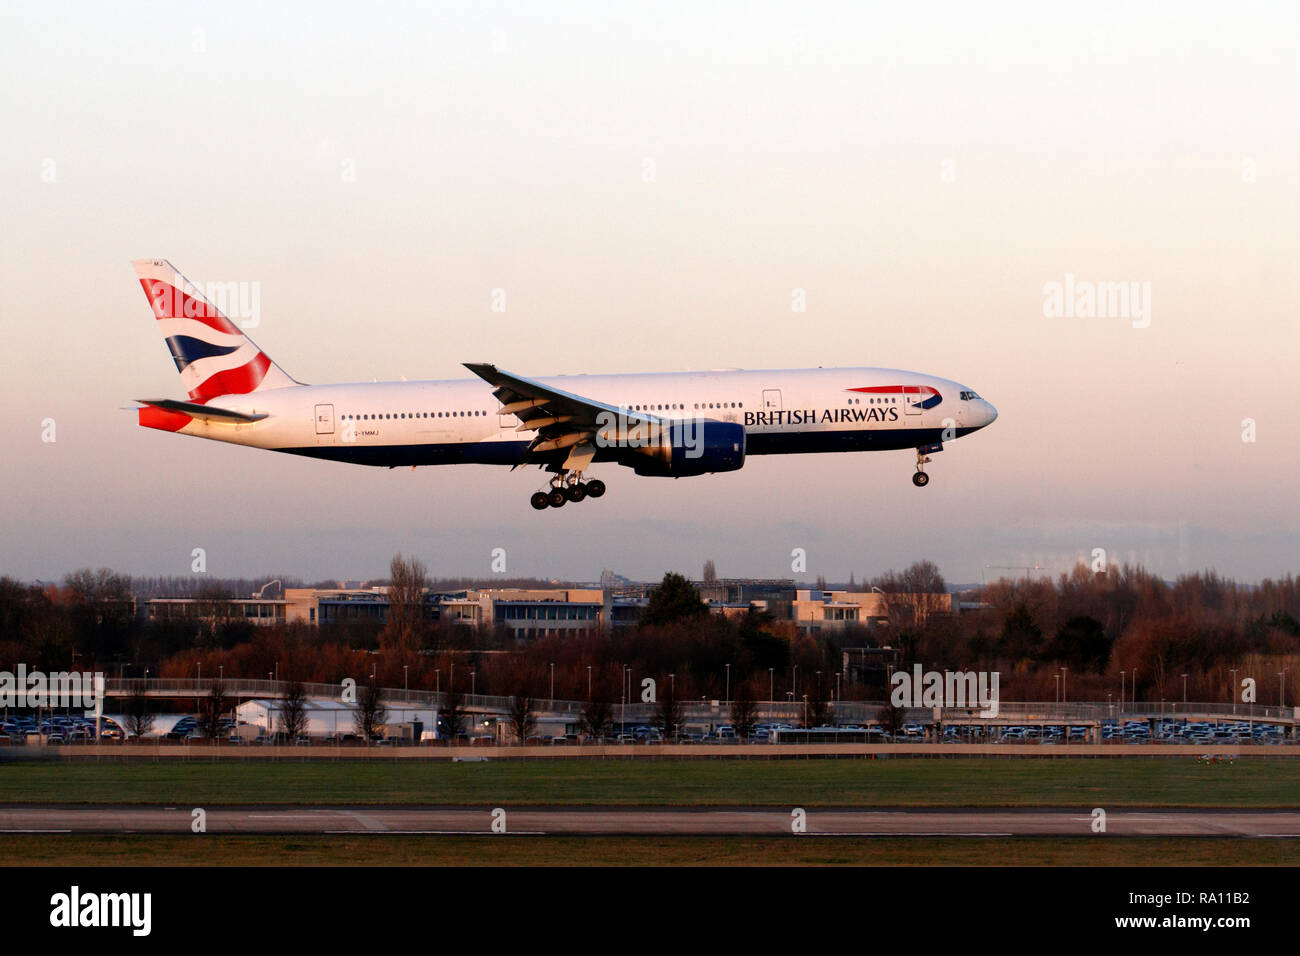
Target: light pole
column 406, row 677
column 1184, row 690
column 1056, row 688
column 589, row 682
column 473, row 675
column 771, row 685
column 1065, row 672
column 552, row 685
column 1281, row 688
column 794, row 681
column 1232, row 691
column 1121, row 691
column 727, row 696
column 437, row 680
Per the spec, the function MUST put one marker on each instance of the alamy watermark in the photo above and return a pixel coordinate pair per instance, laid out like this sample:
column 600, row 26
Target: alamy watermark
column 80, row 690
column 241, row 302
column 630, row 430
column 947, row 689
column 1084, row 299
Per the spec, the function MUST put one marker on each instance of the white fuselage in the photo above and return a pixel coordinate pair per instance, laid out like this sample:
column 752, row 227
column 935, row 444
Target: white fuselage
column 457, row 421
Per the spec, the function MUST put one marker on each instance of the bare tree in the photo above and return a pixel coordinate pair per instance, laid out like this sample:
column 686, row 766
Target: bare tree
column 668, row 713
column 452, row 715
column 211, row 710
column 891, row 719
column 139, row 714
column 744, row 710
column 370, row 714
column 912, row 595
column 404, row 624
column 523, row 719
column 293, row 710
column 597, row 716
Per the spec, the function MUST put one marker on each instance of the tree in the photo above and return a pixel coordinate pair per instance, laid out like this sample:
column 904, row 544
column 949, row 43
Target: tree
column 293, row 711
column 101, row 610
column 452, row 716
column 404, row 623
column 370, row 714
column 913, row 594
column 211, row 710
column 139, row 714
column 891, row 718
column 597, row 715
column 744, row 710
column 819, row 708
column 1021, row 636
column 676, row 599
column 668, row 713
column 523, row 719
column 1081, row 643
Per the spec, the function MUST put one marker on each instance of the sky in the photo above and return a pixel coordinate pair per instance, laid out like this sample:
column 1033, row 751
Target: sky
column 649, row 186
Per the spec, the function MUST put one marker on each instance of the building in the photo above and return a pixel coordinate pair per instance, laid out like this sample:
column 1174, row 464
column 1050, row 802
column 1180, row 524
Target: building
column 329, row 717
column 529, row 613
column 814, row 609
column 210, row 611
column 328, row 605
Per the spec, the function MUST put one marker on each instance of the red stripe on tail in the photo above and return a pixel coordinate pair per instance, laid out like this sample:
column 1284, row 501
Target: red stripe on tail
column 169, row 302
column 233, row 381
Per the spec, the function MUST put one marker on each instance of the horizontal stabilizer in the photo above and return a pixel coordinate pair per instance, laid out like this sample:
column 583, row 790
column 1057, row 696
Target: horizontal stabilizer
column 204, row 413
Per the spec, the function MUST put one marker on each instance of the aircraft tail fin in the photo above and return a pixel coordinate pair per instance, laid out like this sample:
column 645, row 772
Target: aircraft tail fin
column 213, row 355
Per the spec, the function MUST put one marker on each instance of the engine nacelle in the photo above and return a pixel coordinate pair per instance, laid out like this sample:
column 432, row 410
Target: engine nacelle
column 690, row 447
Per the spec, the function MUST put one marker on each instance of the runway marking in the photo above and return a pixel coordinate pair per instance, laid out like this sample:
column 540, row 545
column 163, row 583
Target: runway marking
column 438, row 832
column 34, row 831
column 901, row 833
column 365, row 821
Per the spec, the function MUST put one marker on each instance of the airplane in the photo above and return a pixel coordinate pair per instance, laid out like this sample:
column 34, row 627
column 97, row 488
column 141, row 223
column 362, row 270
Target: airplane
column 675, row 424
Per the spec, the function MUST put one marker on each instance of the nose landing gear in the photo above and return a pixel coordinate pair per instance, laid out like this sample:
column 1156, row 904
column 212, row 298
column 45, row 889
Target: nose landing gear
column 921, row 479
column 567, row 487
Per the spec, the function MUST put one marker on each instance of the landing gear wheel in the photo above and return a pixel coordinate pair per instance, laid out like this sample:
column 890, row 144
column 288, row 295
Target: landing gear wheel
column 540, row 500
column 556, row 498
column 576, row 492
column 920, row 479
column 595, row 488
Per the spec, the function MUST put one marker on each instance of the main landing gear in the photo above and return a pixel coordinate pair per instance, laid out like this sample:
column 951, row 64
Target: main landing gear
column 567, row 487
column 921, row 479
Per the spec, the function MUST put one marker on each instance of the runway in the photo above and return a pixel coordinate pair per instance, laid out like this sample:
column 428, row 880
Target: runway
column 648, row 821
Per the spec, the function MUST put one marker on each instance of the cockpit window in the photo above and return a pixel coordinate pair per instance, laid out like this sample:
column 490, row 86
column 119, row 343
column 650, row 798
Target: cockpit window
column 968, row 397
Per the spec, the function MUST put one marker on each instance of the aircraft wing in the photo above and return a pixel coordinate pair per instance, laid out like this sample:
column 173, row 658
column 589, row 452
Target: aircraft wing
column 561, row 419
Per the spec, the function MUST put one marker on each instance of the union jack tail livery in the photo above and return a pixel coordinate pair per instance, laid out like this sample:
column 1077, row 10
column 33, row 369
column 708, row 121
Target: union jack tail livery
column 212, row 354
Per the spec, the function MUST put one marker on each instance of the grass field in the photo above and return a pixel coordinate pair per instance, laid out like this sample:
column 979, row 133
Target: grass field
column 1131, row 782
column 140, row 850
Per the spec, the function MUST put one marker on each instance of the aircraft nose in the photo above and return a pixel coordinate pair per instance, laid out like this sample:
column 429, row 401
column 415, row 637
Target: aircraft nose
column 990, row 413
